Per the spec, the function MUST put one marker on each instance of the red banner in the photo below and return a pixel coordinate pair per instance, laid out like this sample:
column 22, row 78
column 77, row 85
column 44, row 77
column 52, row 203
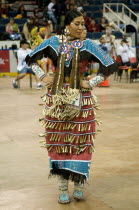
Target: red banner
column 4, row 61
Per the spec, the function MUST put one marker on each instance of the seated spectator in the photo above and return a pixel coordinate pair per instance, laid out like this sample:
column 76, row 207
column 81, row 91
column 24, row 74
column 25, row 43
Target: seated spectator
column 125, row 51
column 22, row 12
column 40, row 37
column 93, row 27
column 12, row 27
column 4, row 12
column 86, row 19
column 28, row 26
column 22, row 67
column 102, row 24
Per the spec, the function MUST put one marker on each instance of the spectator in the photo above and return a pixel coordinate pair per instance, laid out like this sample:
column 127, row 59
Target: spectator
column 86, row 19
column 110, row 42
column 40, row 37
column 12, row 27
column 22, row 67
column 51, row 13
column 125, row 51
column 4, row 11
column 28, row 26
column 102, row 25
column 37, row 40
column 93, row 27
column 59, row 11
column 22, row 12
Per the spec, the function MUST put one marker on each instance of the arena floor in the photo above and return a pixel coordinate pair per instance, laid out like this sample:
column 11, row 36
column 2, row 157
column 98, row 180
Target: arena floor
column 114, row 176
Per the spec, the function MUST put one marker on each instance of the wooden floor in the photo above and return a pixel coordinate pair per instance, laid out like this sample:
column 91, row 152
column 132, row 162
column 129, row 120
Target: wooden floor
column 114, row 176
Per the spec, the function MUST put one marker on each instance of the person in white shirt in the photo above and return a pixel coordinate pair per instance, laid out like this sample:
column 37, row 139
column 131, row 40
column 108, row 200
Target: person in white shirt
column 51, row 13
column 109, row 41
column 22, row 67
column 125, row 51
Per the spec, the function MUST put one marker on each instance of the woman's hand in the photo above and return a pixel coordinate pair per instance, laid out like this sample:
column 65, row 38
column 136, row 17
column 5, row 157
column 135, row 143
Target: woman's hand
column 48, row 80
column 84, row 84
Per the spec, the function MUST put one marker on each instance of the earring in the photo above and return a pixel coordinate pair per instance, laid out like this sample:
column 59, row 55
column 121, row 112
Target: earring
column 66, row 31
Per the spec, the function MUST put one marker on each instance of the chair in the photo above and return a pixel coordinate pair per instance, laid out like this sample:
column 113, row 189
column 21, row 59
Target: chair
column 12, row 13
column 5, row 21
column 98, row 14
column 87, row 8
column 134, row 71
column 2, row 28
column 89, row 35
column 118, row 34
column 97, row 35
column 30, row 81
column 89, row 14
column 121, row 68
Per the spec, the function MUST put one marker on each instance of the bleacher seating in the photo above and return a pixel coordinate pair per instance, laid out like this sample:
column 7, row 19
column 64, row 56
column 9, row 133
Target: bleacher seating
column 4, row 21
column 2, row 28
column 98, row 35
column 12, row 13
column 89, row 14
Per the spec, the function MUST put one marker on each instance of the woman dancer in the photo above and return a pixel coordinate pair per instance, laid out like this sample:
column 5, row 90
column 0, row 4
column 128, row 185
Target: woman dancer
column 69, row 112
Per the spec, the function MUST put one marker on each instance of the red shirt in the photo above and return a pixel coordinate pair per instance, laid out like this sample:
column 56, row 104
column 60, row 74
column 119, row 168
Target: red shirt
column 93, row 28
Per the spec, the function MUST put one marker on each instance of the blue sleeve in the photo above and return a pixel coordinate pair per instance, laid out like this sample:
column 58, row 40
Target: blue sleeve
column 46, row 49
column 96, row 53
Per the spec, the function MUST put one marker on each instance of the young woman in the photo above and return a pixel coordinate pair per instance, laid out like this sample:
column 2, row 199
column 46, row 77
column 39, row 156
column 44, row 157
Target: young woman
column 69, row 112
column 12, row 27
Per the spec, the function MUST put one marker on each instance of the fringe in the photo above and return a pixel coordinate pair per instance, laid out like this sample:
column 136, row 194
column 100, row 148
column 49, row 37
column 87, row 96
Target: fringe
column 66, row 174
column 68, row 148
column 64, row 101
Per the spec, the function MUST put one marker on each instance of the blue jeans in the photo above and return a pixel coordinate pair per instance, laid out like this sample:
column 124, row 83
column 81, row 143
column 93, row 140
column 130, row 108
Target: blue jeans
column 26, row 70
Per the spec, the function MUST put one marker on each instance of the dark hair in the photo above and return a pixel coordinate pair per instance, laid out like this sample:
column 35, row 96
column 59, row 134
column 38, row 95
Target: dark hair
column 23, row 42
column 71, row 15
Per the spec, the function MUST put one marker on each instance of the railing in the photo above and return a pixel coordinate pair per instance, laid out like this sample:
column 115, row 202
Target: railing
column 132, row 15
column 122, row 8
column 116, row 18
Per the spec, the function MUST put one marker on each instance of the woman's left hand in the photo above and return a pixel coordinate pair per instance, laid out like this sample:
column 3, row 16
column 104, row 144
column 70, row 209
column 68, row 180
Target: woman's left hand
column 84, row 84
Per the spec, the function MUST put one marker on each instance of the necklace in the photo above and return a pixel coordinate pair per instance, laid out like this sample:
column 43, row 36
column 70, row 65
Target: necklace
column 66, row 47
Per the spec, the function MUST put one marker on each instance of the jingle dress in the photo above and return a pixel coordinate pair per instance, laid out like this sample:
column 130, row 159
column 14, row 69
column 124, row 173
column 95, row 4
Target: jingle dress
column 70, row 143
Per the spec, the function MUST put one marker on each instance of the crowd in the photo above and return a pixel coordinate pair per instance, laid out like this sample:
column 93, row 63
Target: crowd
column 50, row 14
column 48, row 19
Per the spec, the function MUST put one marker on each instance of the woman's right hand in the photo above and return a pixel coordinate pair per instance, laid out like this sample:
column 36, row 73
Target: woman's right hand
column 48, row 80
